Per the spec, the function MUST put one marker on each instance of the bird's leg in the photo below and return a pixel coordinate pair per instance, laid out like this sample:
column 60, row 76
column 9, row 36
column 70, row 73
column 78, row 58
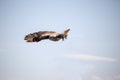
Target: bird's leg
column 62, row 39
column 65, row 36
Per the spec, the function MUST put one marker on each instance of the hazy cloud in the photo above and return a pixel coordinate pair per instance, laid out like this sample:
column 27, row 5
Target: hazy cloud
column 96, row 77
column 117, row 76
column 89, row 57
column 2, row 50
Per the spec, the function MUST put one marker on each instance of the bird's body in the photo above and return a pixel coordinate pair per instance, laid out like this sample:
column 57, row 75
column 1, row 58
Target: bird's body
column 42, row 35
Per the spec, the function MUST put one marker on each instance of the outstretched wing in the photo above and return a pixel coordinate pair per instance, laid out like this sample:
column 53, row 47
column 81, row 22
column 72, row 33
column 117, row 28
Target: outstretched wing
column 37, row 39
column 42, row 35
column 51, row 35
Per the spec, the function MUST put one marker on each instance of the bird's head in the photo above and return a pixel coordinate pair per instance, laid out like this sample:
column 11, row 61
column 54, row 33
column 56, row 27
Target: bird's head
column 29, row 38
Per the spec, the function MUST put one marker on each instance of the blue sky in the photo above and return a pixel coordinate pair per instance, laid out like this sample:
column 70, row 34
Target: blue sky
column 91, row 51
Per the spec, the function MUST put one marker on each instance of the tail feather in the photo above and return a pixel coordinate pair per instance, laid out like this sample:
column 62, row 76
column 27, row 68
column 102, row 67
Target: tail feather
column 65, row 33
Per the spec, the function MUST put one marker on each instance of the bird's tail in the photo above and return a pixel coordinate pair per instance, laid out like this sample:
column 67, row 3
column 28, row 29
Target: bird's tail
column 65, row 33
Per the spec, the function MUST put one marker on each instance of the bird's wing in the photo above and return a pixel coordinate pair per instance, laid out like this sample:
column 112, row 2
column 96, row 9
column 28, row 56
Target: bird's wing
column 50, row 34
column 42, row 35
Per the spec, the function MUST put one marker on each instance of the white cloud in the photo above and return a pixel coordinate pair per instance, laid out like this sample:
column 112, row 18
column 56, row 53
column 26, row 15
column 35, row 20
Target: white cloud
column 89, row 57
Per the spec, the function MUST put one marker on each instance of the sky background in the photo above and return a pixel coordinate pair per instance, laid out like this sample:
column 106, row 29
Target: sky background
column 91, row 51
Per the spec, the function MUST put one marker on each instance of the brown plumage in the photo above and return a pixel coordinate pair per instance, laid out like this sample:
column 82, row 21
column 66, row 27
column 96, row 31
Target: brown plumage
column 42, row 35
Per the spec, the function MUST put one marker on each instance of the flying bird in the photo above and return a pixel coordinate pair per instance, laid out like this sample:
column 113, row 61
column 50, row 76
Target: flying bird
column 44, row 35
